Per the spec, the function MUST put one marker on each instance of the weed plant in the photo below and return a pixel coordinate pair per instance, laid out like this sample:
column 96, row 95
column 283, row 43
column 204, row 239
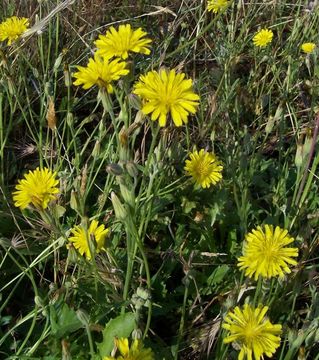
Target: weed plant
column 135, row 256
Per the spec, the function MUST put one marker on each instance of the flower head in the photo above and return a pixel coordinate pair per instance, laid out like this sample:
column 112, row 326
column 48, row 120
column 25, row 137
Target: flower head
column 12, row 28
column 308, row 48
column 265, row 253
column 135, row 352
column 83, row 236
column 263, row 38
column 217, row 5
column 204, row 167
column 38, row 188
column 120, row 42
column 254, row 333
column 101, row 72
column 166, row 92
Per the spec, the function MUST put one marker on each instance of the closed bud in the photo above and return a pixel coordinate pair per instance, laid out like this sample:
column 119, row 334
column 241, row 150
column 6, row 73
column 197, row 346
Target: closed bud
column 119, row 209
column 132, row 169
column 57, row 62
column 83, row 317
column 123, row 115
column 137, row 334
column 134, row 101
column 123, row 136
column 69, row 119
column 67, row 76
column 96, row 149
column 127, row 195
column 74, row 201
column 104, row 98
column 10, row 86
column 139, row 117
column 114, row 169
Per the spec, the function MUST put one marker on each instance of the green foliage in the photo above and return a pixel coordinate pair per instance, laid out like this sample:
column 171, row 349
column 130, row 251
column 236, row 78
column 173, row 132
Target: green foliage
column 169, row 271
column 120, row 327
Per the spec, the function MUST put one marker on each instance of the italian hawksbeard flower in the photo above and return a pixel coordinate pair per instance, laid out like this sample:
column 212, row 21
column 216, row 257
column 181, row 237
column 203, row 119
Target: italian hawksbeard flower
column 38, row 188
column 82, row 237
column 164, row 93
column 135, row 352
column 308, row 48
column 263, row 38
column 254, row 333
column 217, row 5
column 101, row 72
column 12, row 28
column 204, row 167
column 265, row 253
column 120, row 42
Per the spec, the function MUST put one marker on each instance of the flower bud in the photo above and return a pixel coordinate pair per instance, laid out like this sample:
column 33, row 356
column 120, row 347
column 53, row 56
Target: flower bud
column 119, row 209
column 128, row 196
column 114, row 169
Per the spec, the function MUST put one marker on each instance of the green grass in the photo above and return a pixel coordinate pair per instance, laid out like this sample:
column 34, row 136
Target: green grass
column 170, row 270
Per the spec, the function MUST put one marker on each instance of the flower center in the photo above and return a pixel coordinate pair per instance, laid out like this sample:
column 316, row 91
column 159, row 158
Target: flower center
column 201, row 169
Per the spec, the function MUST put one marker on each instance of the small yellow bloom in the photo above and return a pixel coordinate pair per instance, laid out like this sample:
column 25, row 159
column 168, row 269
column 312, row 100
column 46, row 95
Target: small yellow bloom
column 263, row 38
column 254, row 333
column 308, row 48
column 164, row 93
column 38, row 188
column 101, row 72
column 265, row 253
column 204, row 167
column 217, row 5
column 83, row 238
column 120, row 42
column 136, row 352
column 12, row 28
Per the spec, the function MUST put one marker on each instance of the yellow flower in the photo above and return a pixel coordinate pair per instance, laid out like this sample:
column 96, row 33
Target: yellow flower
column 100, row 72
column 82, row 236
column 38, row 188
column 254, row 333
column 136, row 352
column 263, row 38
column 12, row 28
column 217, row 5
column 308, row 48
column 166, row 92
column 204, row 167
column 120, row 42
column 265, row 253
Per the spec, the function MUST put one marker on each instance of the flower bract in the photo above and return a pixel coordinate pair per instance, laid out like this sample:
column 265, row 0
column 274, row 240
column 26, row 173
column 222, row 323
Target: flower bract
column 254, row 333
column 119, row 43
column 217, row 5
column 166, row 92
column 265, row 253
column 100, row 72
column 85, row 237
column 37, row 188
column 263, row 38
column 135, row 352
column 12, row 28
column 204, row 167
column 308, row 48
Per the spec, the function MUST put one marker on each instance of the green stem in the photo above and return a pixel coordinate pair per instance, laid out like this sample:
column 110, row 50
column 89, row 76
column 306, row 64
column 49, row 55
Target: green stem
column 182, row 321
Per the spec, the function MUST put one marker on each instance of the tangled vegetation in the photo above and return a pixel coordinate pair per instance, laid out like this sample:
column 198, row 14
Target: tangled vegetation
column 159, row 179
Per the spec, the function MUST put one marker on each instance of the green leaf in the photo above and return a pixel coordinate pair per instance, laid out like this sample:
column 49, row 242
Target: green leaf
column 63, row 321
column 217, row 276
column 120, row 327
